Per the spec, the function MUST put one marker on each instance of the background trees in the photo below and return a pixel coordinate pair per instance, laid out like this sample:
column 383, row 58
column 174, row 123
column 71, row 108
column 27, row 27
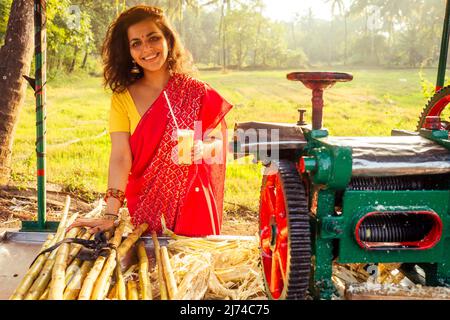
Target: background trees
column 237, row 34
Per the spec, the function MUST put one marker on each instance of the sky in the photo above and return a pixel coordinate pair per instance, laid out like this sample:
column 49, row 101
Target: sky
column 286, row 9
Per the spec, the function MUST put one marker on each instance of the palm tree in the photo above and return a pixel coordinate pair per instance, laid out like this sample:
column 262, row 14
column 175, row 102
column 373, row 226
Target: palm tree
column 225, row 6
column 175, row 11
column 16, row 56
column 339, row 4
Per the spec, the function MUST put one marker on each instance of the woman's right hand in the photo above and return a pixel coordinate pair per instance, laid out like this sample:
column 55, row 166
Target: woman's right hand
column 94, row 225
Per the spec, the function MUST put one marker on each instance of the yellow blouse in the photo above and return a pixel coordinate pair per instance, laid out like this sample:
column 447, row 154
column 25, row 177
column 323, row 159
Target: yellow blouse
column 123, row 116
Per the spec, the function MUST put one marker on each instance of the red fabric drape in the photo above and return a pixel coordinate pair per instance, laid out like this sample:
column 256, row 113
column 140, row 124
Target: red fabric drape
column 189, row 196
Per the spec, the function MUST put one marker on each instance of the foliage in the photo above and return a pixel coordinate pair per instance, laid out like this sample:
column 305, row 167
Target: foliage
column 5, row 6
column 237, row 34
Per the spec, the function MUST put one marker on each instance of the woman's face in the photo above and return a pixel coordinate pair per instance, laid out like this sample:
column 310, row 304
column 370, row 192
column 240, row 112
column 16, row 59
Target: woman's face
column 148, row 46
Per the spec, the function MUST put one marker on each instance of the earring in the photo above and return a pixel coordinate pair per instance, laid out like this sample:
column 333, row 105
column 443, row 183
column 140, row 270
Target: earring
column 135, row 69
column 170, row 62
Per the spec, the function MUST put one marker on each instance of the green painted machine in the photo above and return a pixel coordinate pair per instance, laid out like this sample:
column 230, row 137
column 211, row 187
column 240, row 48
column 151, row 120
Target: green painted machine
column 351, row 199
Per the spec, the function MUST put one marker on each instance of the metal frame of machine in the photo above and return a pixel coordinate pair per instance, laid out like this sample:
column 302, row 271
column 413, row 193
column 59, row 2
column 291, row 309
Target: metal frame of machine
column 353, row 200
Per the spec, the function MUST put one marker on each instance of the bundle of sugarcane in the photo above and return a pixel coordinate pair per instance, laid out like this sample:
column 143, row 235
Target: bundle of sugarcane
column 38, row 276
column 100, row 283
column 61, row 274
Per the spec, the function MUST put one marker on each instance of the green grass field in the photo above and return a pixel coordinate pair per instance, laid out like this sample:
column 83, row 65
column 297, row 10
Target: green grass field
column 77, row 117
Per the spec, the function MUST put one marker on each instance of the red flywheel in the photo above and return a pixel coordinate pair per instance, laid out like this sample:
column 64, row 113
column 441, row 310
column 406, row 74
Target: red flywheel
column 285, row 232
column 435, row 107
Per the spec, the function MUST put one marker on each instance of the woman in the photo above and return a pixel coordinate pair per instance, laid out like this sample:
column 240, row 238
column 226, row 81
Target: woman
column 145, row 66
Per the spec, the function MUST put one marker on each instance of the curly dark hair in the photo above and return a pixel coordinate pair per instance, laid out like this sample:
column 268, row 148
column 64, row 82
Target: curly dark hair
column 116, row 55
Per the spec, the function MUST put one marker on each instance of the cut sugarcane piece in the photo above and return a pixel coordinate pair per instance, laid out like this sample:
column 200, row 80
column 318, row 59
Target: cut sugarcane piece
column 38, row 265
column 144, row 282
column 88, row 284
column 170, row 279
column 99, row 291
column 96, row 211
column 132, row 291
column 73, row 288
column 131, row 239
column 91, row 278
column 113, row 293
column 57, row 283
column 162, row 282
column 121, row 287
column 42, row 281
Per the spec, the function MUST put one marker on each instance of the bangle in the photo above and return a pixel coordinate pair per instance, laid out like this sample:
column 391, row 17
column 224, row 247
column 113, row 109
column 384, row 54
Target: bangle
column 115, row 193
column 116, row 219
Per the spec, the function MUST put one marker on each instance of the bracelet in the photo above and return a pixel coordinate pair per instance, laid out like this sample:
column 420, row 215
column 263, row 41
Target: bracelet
column 115, row 193
column 112, row 214
column 116, row 219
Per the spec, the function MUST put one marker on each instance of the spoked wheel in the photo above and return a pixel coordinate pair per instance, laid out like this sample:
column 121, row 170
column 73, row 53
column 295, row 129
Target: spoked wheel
column 437, row 107
column 285, row 232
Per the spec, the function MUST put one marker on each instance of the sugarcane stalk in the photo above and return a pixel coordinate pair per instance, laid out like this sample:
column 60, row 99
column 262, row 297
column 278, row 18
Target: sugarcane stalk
column 57, row 283
column 132, row 291
column 130, row 271
column 73, row 288
column 41, row 282
column 96, row 211
column 106, row 288
column 99, row 291
column 113, row 292
column 44, row 296
column 88, row 284
column 71, row 270
column 91, row 278
column 75, row 264
column 169, row 232
column 37, row 266
column 63, row 221
column 120, row 282
column 144, row 282
column 162, row 282
column 131, row 239
column 170, row 278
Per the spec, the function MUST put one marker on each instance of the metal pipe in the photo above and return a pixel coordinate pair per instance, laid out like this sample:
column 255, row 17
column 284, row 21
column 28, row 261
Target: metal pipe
column 40, row 52
column 444, row 49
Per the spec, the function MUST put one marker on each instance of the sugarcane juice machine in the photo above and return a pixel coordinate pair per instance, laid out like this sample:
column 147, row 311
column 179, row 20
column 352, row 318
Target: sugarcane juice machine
column 352, row 200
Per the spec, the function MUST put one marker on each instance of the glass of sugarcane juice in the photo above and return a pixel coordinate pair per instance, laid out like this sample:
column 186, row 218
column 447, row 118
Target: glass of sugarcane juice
column 185, row 144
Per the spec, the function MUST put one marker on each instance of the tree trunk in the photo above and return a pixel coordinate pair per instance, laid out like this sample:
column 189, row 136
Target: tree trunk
column 258, row 32
column 345, row 40
column 219, row 53
column 74, row 59
column 224, row 31
column 16, row 56
column 86, row 53
column 330, row 45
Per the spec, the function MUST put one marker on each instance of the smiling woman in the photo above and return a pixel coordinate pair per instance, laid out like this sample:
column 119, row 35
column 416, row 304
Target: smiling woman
column 156, row 107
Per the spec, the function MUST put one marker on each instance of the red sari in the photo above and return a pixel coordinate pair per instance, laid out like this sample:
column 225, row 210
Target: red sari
column 189, row 196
